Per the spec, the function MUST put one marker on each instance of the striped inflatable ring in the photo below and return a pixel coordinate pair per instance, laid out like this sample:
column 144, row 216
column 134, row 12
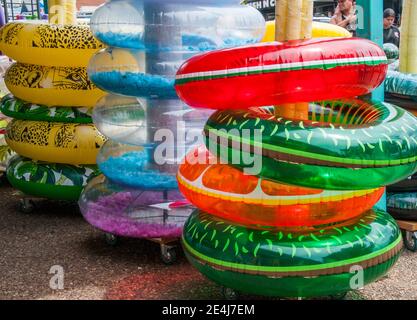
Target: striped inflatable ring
column 55, row 142
column 300, row 262
column 21, row 110
column 259, row 202
column 52, row 86
column 49, row 44
column 279, row 73
column 346, row 145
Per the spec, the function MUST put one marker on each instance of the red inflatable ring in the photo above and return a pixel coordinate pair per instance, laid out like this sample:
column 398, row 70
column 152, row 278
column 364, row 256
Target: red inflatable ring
column 277, row 73
column 256, row 201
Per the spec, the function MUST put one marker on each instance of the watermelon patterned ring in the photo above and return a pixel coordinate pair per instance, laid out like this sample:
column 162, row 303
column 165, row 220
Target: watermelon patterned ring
column 363, row 144
column 292, row 262
column 276, row 73
column 255, row 201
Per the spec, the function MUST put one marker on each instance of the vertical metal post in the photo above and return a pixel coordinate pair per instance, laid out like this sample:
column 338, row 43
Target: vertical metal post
column 38, row 9
column 12, row 9
column 370, row 26
column 6, row 11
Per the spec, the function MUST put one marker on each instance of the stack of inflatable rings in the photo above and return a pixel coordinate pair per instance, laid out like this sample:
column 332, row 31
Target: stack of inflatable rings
column 285, row 204
column 139, row 196
column 51, row 102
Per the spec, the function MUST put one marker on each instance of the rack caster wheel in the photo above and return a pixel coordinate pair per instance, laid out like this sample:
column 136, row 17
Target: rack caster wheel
column 410, row 240
column 230, row 294
column 168, row 254
column 26, row 206
column 111, row 239
column 3, row 179
column 339, row 296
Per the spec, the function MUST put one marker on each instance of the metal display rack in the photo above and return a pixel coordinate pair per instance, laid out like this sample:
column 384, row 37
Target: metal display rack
column 12, row 8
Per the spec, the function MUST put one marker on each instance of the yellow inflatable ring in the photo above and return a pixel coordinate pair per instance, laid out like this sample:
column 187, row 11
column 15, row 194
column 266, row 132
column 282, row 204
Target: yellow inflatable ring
column 52, row 86
column 55, row 142
column 49, row 45
column 320, row 30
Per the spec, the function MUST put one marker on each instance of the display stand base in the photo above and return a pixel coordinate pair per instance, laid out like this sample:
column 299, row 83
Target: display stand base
column 409, row 104
column 168, row 246
column 409, row 229
column 3, row 177
column 28, row 203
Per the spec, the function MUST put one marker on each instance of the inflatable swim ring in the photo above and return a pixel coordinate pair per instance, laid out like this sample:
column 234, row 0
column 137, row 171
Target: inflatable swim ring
column 391, row 51
column 345, row 145
column 130, row 121
column 407, row 185
column 46, row 180
column 134, row 213
column 21, row 110
column 158, row 136
column 268, row 73
column 55, row 142
column 300, row 262
column 403, row 85
column 123, row 72
column 52, row 86
column 259, row 202
column 403, row 206
column 121, row 118
column 137, row 167
column 320, row 30
column 48, row 44
column 195, row 26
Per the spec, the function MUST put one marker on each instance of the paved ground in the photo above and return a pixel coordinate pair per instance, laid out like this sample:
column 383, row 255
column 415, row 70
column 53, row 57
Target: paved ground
column 56, row 235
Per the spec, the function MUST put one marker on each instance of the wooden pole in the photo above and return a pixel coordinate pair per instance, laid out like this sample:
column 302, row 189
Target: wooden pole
column 62, row 11
column 293, row 21
column 408, row 45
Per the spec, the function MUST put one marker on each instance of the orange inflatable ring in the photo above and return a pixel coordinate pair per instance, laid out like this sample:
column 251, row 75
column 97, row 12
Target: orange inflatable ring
column 256, row 201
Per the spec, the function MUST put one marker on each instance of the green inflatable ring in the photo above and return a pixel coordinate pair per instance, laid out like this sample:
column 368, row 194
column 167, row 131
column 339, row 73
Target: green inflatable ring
column 292, row 262
column 363, row 145
column 50, row 181
column 21, row 110
column 391, row 51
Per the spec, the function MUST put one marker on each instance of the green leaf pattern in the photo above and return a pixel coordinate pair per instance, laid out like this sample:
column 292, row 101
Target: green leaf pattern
column 47, row 173
column 18, row 109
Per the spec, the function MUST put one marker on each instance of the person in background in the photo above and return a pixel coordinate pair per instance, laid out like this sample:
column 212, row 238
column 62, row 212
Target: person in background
column 345, row 15
column 391, row 33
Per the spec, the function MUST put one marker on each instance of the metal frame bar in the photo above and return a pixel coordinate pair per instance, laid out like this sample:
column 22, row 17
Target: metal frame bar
column 10, row 13
column 370, row 20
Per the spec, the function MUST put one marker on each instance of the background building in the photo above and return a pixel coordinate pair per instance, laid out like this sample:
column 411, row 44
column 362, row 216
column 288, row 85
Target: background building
column 323, row 9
